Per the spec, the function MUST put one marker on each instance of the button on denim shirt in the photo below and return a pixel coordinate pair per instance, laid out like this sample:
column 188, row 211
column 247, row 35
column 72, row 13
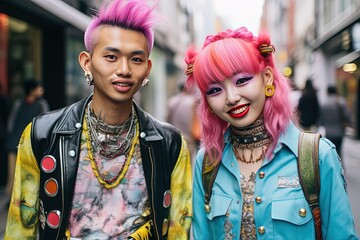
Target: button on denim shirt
column 277, row 215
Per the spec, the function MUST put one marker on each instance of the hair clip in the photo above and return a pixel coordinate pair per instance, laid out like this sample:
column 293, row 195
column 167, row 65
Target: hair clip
column 189, row 69
column 266, row 49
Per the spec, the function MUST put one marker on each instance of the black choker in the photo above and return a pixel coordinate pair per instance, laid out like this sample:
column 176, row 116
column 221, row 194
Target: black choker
column 250, row 137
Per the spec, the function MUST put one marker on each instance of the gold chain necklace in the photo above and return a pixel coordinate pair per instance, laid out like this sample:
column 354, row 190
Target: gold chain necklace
column 117, row 179
column 251, row 160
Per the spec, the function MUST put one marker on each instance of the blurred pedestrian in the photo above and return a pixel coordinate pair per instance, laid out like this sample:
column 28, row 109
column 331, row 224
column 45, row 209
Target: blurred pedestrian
column 22, row 113
column 102, row 167
column 334, row 117
column 182, row 113
column 5, row 106
column 308, row 107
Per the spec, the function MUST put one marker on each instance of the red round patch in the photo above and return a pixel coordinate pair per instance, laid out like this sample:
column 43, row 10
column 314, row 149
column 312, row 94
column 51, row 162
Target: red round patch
column 48, row 164
column 167, row 199
column 53, row 219
column 51, row 187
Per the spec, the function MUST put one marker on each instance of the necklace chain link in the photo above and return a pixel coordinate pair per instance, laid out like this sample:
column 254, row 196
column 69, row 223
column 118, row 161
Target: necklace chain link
column 109, row 140
column 251, row 137
column 101, row 177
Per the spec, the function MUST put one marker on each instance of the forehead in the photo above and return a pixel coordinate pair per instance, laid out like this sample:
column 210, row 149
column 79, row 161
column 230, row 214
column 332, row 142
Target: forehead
column 120, row 38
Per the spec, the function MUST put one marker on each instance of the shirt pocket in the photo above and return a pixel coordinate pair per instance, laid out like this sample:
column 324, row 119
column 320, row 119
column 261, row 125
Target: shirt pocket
column 217, row 217
column 289, row 219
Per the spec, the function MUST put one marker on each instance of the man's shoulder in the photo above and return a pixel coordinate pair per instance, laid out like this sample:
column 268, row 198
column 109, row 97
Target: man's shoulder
column 50, row 118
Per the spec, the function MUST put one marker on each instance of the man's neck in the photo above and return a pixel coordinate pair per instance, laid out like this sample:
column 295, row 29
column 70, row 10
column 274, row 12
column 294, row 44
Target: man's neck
column 113, row 114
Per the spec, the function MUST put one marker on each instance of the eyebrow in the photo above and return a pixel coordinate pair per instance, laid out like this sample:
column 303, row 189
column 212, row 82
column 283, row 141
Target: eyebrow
column 135, row 52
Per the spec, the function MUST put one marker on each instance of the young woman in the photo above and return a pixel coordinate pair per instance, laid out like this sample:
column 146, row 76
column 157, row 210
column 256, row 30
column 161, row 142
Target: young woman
column 250, row 132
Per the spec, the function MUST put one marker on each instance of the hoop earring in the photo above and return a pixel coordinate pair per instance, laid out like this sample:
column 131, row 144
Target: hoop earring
column 89, row 78
column 145, row 82
column 269, row 90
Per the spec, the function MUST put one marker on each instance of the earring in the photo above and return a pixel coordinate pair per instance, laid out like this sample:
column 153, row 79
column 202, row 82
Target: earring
column 145, row 82
column 269, row 90
column 89, row 78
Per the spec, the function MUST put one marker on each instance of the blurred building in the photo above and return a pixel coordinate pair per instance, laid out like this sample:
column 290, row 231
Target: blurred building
column 318, row 39
column 42, row 39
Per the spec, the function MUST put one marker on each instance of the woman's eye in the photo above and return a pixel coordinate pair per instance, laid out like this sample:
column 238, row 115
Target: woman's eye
column 213, row 91
column 243, row 80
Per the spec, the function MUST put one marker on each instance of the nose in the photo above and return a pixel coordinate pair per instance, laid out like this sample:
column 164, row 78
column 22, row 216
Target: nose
column 232, row 98
column 123, row 69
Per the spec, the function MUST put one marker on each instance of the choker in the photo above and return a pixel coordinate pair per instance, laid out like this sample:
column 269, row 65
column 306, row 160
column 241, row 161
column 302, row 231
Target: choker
column 250, row 137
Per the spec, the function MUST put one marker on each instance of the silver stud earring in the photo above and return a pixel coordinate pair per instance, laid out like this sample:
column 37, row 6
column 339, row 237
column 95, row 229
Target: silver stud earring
column 145, row 82
column 89, row 78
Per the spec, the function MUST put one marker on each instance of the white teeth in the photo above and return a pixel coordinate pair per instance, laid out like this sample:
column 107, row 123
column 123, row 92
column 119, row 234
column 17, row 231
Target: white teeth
column 239, row 110
column 122, row 84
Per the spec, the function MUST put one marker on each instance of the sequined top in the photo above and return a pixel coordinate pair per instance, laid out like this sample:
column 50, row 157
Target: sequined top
column 247, row 219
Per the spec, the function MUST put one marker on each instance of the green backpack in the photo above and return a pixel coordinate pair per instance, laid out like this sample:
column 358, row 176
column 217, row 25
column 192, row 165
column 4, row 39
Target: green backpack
column 308, row 169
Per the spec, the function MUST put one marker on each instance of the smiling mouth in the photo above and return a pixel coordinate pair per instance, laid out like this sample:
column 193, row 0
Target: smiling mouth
column 122, row 84
column 239, row 112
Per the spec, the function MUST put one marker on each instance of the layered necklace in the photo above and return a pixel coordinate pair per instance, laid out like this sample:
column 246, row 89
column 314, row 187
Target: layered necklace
column 110, row 141
column 251, row 137
column 119, row 145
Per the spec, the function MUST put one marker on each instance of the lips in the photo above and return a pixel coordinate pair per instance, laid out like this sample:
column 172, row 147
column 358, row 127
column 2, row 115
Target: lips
column 122, row 86
column 239, row 111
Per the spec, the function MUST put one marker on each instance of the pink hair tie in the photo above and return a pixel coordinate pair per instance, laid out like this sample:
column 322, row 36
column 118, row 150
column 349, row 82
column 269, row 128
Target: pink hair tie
column 266, row 49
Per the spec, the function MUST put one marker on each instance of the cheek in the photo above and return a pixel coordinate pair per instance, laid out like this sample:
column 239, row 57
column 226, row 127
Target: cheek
column 258, row 100
column 215, row 103
column 102, row 68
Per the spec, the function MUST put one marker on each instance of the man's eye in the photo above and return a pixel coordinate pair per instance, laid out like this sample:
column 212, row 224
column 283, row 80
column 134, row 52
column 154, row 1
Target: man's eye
column 136, row 59
column 213, row 91
column 111, row 57
column 243, row 80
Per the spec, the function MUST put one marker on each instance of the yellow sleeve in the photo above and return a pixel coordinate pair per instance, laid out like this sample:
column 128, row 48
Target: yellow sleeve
column 22, row 218
column 181, row 188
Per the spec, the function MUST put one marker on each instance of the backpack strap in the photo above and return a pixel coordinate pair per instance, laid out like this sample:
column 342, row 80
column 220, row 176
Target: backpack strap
column 308, row 167
column 209, row 172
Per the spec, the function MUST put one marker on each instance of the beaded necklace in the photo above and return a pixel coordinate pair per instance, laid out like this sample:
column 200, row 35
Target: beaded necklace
column 101, row 177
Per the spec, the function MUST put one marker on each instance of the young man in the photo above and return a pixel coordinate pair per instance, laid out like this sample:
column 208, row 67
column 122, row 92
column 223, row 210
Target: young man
column 103, row 168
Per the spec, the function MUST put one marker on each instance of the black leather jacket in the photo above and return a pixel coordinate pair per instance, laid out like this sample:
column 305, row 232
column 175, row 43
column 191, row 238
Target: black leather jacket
column 58, row 134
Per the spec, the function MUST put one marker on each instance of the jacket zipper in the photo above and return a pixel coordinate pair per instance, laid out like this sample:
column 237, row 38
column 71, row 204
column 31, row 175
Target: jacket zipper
column 152, row 191
column 61, row 151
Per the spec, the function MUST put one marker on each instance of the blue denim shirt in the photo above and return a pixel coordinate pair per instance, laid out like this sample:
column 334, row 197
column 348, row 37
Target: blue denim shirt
column 278, row 210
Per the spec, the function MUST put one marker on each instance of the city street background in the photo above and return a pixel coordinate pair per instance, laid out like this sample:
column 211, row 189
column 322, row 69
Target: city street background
column 313, row 39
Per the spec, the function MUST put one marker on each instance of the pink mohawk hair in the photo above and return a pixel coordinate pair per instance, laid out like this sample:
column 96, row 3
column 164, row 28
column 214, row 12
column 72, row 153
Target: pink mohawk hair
column 128, row 14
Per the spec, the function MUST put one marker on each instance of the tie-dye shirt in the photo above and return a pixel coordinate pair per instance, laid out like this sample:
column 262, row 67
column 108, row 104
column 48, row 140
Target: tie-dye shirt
column 101, row 213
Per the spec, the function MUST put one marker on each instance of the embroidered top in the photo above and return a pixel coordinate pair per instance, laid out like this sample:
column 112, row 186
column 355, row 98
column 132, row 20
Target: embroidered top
column 247, row 219
column 101, row 213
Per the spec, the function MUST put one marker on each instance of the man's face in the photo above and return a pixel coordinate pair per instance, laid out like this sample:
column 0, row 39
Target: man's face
column 119, row 64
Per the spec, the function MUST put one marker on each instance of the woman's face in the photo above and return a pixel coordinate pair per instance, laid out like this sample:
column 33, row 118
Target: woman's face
column 239, row 100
